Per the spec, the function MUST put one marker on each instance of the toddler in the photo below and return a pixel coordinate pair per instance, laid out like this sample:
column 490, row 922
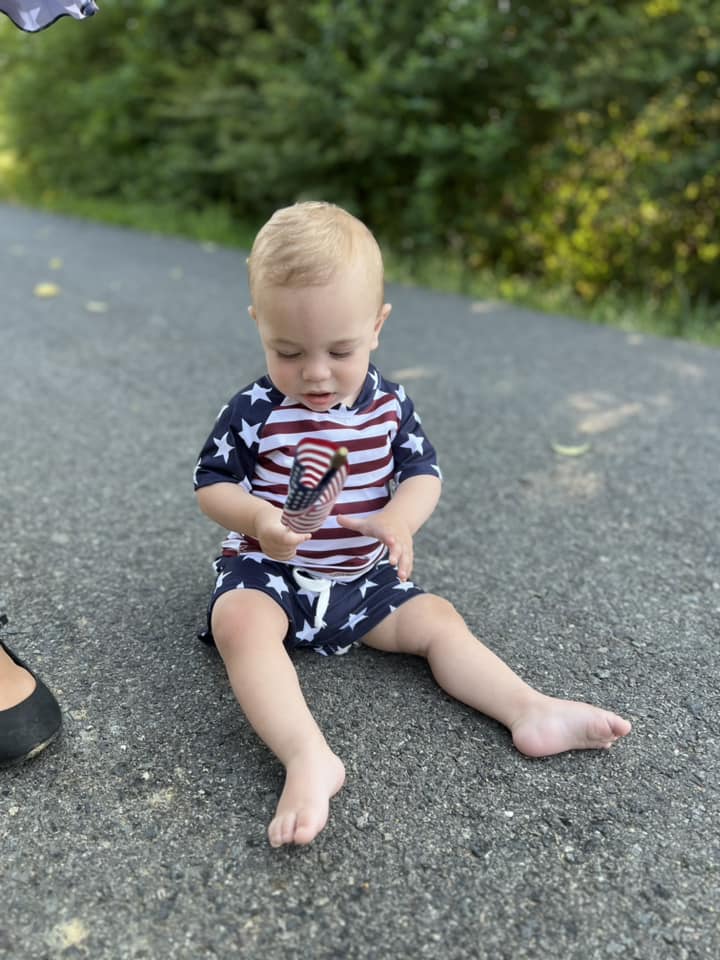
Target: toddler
column 316, row 284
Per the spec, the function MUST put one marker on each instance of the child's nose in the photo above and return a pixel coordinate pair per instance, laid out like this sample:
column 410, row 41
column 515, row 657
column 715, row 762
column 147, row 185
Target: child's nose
column 316, row 369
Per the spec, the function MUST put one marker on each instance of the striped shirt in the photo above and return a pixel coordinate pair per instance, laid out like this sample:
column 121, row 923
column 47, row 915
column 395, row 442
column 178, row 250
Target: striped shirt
column 253, row 444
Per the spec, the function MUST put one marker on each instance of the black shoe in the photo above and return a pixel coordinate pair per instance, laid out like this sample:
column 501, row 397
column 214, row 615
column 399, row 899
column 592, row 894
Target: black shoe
column 31, row 725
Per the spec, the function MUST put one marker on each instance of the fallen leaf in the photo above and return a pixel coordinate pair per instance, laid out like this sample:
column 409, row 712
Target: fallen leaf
column 411, row 373
column 96, row 306
column 486, row 306
column 44, row 290
column 571, row 451
column 71, row 934
column 607, row 419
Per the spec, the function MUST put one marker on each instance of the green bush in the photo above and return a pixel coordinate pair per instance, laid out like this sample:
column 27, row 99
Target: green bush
column 577, row 142
column 630, row 193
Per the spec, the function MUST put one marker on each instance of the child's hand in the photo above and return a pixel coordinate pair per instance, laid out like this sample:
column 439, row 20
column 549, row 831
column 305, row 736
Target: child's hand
column 394, row 533
column 276, row 540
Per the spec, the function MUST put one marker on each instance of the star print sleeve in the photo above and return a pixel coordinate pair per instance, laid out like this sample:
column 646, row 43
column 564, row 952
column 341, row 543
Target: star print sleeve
column 229, row 453
column 414, row 455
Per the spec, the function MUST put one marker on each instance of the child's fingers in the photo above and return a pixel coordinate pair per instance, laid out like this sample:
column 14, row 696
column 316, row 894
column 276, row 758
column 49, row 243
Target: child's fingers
column 295, row 539
column 366, row 527
column 400, row 552
column 370, row 529
column 352, row 523
column 285, row 546
column 405, row 562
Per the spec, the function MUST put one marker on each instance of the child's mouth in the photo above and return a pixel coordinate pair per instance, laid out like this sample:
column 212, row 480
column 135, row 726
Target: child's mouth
column 318, row 399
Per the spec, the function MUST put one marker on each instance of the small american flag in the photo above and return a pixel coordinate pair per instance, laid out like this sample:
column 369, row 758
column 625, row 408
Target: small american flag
column 34, row 15
column 317, row 477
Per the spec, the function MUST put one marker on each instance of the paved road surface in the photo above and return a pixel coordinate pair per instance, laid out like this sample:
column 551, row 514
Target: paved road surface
column 141, row 834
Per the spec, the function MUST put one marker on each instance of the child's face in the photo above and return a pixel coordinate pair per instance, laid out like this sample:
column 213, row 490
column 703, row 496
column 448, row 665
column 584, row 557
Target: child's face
column 318, row 339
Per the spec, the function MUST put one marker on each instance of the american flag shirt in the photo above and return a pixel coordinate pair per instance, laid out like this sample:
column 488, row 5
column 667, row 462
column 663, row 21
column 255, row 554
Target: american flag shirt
column 253, row 443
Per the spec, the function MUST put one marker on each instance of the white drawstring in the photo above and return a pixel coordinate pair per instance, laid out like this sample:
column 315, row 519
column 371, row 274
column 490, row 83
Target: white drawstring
column 319, row 586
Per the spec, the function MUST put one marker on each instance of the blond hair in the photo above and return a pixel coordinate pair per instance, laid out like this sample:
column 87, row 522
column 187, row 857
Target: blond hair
column 306, row 244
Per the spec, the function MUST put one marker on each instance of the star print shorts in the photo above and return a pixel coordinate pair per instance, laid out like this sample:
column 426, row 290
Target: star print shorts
column 328, row 616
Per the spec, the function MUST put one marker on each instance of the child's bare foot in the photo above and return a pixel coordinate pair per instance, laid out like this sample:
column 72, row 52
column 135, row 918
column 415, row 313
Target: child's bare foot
column 311, row 780
column 551, row 726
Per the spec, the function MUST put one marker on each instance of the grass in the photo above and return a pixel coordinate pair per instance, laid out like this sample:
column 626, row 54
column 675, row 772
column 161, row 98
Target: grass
column 671, row 317
column 211, row 225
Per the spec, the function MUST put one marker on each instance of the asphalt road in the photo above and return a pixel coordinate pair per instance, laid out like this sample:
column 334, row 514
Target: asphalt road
column 141, row 833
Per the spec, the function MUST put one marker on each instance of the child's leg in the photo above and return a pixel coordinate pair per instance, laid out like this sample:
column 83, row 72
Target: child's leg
column 430, row 626
column 249, row 628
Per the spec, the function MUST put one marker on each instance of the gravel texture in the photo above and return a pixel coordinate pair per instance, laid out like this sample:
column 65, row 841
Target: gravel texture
column 141, row 832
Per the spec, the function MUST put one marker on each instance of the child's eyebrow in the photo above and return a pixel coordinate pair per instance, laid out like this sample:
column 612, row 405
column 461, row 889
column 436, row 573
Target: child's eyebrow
column 336, row 345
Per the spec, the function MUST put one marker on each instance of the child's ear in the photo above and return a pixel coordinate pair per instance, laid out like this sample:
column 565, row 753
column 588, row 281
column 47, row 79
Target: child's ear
column 383, row 314
column 251, row 311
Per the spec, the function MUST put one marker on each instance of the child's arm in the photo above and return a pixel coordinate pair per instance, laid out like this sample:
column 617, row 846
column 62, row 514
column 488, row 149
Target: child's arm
column 397, row 523
column 235, row 509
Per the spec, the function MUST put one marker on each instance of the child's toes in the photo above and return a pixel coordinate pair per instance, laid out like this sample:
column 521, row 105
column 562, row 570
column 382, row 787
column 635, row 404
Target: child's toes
column 619, row 726
column 604, row 729
column 282, row 830
column 307, row 827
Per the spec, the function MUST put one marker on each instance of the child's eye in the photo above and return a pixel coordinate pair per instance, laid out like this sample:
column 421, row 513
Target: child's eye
column 340, row 354
column 288, row 356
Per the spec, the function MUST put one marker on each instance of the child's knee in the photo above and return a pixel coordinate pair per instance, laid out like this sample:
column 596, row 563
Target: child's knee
column 431, row 619
column 243, row 618
column 440, row 612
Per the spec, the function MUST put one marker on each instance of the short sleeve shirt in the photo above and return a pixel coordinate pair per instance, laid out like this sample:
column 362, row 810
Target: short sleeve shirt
column 253, row 444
